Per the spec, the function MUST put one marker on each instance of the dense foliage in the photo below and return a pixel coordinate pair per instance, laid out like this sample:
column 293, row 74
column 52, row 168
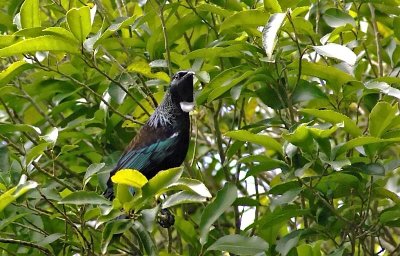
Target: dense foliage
column 295, row 135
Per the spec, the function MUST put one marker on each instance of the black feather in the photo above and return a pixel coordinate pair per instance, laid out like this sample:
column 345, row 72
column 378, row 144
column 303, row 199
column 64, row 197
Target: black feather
column 163, row 141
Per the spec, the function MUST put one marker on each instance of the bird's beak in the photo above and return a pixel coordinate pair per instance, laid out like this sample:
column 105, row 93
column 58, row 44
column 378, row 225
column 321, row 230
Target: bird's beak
column 186, row 106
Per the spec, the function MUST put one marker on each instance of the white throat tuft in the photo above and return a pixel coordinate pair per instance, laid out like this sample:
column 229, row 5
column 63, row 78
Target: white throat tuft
column 186, row 106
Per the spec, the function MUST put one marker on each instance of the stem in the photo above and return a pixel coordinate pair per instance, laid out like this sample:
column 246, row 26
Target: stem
column 377, row 41
column 164, row 29
column 219, row 142
column 25, row 243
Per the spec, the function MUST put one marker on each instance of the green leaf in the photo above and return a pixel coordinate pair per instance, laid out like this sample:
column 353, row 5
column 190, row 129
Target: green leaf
column 362, row 141
column 13, row 70
column 35, row 152
column 321, row 132
column 6, row 40
column 7, row 221
column 92, row 170
column 337, row 51
column 30, row 15
column 155, row 186
column 14, row 193
column 143, row 68
column 217, row 92
column 385, row 193
column 50, row 239
column 161, row 180
column 51, row 136
column 223, row 77
column 261, row 139
column 338, row 184
column 244, row 19
column 337, row 18
column 214, row 9
column 60, row 32
column 284, row 245
column 335, row 77
column 145, row 239
column 79, row 22
column 390, row 216
column 84, row 197
column 265, row 164
column 10, row 128
column 183, row 197
column 111, row 228
column 192, row 185
column 374, row 169
column 41, row 43
column 186, row 230
column 130, row 177
column 124, row 194
column 396, row 27
column 224, row 199
column 279, row 214
column 239, row 245
column 121, row 22
column 299, row 136
column 270, row 31
column 234, row 50
column 381, row 117
column 335, row 118
column 384, row 88
column 272, row 6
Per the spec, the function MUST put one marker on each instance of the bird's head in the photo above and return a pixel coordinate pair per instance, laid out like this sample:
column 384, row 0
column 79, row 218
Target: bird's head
column 182, row 90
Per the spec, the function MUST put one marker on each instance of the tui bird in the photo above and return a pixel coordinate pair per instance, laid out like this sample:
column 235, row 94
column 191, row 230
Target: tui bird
column 163, row 141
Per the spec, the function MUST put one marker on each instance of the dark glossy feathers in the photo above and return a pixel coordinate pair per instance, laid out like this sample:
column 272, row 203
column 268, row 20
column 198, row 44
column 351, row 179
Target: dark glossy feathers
column 163, row 142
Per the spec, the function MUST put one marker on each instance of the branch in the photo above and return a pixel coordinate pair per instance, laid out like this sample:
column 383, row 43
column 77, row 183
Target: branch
column 164, row 29
column 377, row 41
column 26, row 243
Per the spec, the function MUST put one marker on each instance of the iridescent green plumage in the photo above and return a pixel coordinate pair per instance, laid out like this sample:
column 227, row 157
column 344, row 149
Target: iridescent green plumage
column 162, row 143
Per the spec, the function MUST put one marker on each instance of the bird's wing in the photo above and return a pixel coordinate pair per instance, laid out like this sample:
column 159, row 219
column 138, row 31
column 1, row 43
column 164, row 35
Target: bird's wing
column 142, row 157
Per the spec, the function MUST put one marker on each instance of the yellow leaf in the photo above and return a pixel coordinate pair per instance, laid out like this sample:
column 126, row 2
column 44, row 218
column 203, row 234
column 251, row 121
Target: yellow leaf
column 129, row 177
column 144, row 68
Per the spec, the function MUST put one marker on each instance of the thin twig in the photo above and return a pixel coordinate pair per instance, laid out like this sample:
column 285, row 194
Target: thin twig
column 377, row 39
column 26, row 243
column 126, row 117
column 164, row 29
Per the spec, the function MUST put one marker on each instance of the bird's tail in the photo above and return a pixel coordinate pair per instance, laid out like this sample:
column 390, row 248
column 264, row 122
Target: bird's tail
column 109, row 192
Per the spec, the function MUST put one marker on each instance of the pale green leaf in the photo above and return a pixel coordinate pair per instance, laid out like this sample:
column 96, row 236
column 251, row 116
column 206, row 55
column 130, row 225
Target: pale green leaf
column 14, row 193
column 335, row 118
column 337, row 18
column 381, row 117
column 335, row 77
column 270, row 31
column 13, row 70
column 272, row 6
column 214, row 9
column 35, row 152
column 192, row 185
column 362, row 141
column 239, row 245
column 144, row 68
column 245, row 19
column 91, row 170
column 84, row 197
column 261, row 139
column 41, row 43
column 30, row 15
column 224, row 199
column 183, row 197
column 337, row 51
column 79, row 22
